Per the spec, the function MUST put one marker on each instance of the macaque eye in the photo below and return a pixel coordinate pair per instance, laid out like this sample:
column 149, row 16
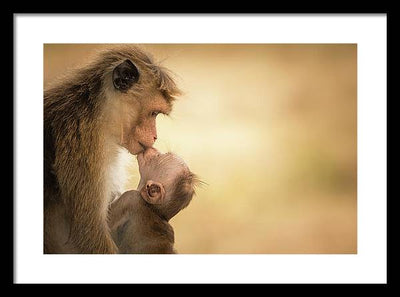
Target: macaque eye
column 154, row 113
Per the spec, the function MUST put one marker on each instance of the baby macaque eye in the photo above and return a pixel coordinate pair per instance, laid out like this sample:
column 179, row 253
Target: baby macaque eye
column 154, row 113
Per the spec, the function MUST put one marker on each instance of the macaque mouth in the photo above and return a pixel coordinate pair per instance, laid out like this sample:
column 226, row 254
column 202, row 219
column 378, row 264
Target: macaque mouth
column 143, row 146
column 153, row 190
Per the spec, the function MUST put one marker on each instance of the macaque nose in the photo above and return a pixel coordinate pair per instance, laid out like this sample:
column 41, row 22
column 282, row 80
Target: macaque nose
column 150, row 152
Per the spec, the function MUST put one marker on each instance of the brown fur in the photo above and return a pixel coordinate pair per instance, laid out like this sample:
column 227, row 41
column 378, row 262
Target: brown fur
column 142, row 227
column 85, row 122
column 137, row 229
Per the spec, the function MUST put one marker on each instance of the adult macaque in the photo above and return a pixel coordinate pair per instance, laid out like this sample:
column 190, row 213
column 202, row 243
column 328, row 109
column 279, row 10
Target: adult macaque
column 92, row 117
column 139, row 219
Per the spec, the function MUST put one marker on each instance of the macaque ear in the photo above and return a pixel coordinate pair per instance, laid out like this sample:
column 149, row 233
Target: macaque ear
column 125, row 75
column 153, row 192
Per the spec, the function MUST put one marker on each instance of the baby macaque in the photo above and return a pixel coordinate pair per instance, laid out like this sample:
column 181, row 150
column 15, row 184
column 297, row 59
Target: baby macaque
column 139, row 219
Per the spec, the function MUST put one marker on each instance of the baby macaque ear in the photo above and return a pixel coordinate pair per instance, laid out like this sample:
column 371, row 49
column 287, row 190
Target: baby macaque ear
column 153, row 192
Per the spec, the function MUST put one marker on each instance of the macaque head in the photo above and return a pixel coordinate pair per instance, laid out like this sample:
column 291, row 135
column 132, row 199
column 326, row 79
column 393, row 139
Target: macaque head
column 166, row 183
column 138, row 90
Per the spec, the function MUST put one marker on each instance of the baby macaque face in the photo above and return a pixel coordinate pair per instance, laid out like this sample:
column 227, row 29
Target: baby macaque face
column 165, row 181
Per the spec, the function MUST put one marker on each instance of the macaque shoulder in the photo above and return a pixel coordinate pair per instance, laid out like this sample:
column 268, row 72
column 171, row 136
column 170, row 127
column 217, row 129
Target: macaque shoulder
column 144, row 232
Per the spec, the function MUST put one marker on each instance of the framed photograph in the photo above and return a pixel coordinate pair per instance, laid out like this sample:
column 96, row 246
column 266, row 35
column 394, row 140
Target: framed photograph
column 251, row 147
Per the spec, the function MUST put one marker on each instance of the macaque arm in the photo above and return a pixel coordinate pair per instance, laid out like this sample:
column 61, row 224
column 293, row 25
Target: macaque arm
column 86, row 204
column 89, row 229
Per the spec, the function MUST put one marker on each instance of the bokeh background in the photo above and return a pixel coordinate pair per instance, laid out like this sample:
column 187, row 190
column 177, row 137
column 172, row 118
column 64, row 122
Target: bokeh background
column 272, row 131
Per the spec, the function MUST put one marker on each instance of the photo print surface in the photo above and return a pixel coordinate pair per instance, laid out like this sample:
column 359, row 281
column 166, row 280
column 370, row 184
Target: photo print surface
column 268, row 132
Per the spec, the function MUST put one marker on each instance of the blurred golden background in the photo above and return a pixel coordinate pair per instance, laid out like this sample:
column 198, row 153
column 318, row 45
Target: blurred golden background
column 271, row 129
